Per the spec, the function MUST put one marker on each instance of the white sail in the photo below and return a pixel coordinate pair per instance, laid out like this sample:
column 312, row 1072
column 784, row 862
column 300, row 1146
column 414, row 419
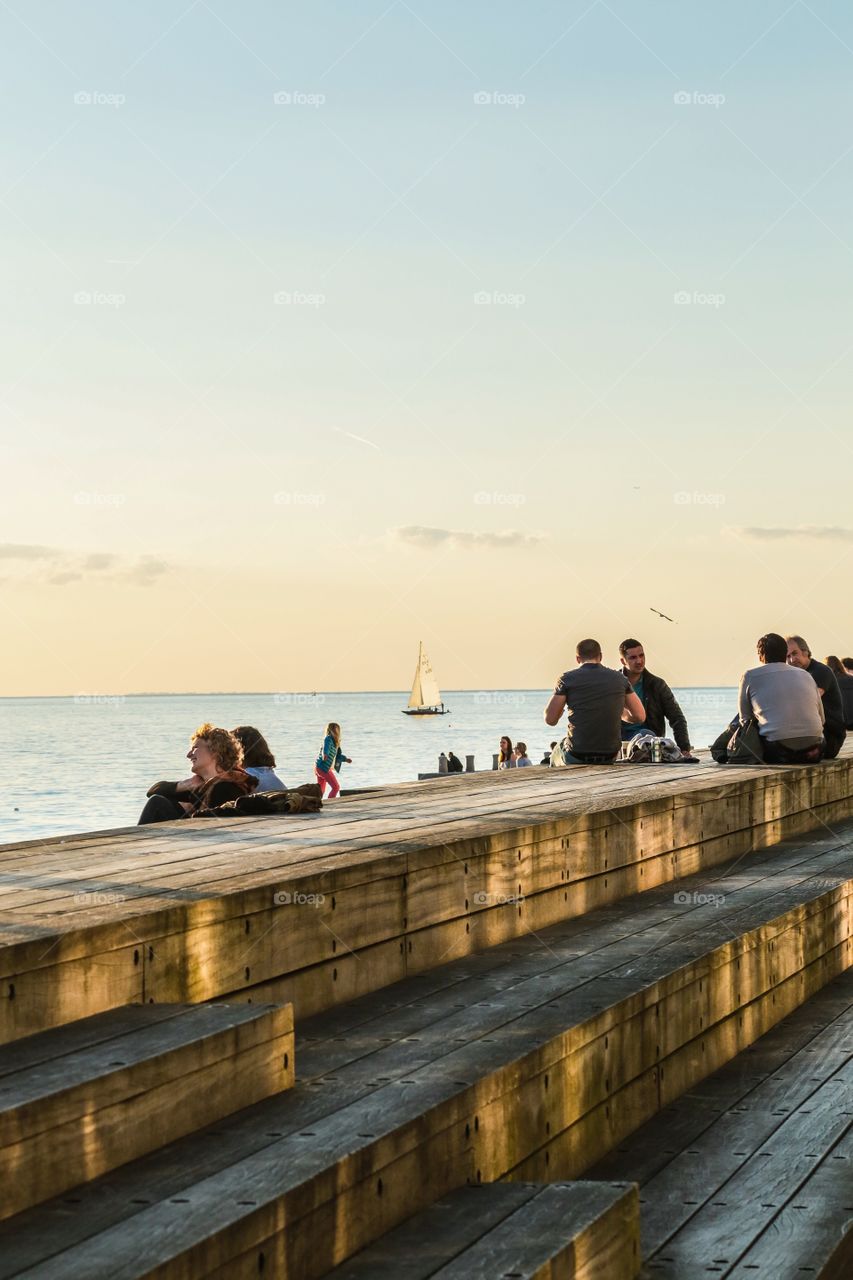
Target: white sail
column 425, row 690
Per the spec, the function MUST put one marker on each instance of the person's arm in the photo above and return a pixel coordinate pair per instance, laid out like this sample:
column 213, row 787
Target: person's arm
column 555, row 709
column 744, row 702
column 676, row 718
column 163, row 789
column 635, row 712
column 329, row 752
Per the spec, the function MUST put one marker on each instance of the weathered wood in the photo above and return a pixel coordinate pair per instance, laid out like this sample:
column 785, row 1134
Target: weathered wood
column 521, row 1230
column 370, row 1139
column 114, row 1088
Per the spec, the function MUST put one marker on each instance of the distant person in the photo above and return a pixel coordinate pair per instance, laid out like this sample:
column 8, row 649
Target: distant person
column 657, row 698
column 845, row 685
column 522, row 759
column 546, row 759
column 596, row 698
column 800, row 655
column 454, row 764
column 216, row 759
column 847, row 663
column 505, row 757
column 258, row 760
column 329, row 761
column 788, row 708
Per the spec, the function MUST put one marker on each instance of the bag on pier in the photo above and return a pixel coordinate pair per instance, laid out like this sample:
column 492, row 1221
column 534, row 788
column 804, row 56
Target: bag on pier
column 745, row 745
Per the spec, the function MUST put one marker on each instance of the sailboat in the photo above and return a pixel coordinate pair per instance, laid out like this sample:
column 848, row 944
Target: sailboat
column 425, row 698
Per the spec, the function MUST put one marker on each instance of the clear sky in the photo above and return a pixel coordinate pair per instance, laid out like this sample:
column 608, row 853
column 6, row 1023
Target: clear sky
column 330, row 327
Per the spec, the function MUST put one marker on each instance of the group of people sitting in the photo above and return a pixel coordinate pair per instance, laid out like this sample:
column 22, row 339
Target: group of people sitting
column 513, row 757
column 224, row 764
column 800, row 707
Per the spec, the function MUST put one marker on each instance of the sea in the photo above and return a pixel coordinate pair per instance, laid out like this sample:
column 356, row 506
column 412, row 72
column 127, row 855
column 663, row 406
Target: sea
column 84, row 763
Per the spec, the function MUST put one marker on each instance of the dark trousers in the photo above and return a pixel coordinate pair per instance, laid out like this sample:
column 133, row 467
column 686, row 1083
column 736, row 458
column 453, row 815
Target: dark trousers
column 160, row 809
column 834, row 739
column 778, row 753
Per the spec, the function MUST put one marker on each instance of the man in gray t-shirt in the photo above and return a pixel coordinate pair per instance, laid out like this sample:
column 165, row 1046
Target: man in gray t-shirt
column 595, row 697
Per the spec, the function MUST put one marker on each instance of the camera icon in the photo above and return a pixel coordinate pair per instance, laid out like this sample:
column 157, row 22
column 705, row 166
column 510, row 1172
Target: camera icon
column 682, row 298
column 682, row 498
column 480, row 898
column 83, row 98
column 83, row 298
column 482, row 99
column 681, row 899
column 681, row 99
column 282, row 98
column 482, row 299
column 282, row 899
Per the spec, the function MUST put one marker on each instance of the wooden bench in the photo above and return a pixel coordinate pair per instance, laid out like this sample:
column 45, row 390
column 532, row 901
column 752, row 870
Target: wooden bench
column 80, row 1100
column 318, row 910
column 561, row 1231
column 752, row 1174
column 527, row 1062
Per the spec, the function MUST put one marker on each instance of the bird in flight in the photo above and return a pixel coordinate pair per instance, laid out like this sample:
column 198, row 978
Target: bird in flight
column 665, row 616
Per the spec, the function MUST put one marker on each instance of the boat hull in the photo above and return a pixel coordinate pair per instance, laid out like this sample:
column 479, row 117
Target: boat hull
column 426, row 711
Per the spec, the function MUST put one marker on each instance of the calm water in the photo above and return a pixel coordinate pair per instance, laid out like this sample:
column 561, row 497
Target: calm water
column 80, row 764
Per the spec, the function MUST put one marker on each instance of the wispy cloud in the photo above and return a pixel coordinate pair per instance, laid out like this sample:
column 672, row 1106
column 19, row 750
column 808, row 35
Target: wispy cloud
column 58, row 568
column 775, row 533
column 427, row 536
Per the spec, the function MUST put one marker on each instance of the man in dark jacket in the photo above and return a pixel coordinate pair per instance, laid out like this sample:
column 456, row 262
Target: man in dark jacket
column 834, row 730
column 655, row 695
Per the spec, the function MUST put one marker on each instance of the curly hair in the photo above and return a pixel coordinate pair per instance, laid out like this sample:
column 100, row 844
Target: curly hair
column 223, row 746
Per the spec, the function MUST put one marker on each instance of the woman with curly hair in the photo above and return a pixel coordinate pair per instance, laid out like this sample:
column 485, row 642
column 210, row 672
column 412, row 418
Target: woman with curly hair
column 216, row 759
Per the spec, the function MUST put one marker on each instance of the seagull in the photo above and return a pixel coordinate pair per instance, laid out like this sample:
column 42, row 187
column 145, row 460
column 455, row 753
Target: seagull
column 665, row 616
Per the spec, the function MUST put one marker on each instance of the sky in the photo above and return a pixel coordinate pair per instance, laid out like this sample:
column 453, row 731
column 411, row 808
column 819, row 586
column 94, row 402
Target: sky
column 332, row 327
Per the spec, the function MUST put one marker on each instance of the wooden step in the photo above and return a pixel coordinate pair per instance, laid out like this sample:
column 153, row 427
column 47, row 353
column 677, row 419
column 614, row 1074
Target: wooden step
column 80, row 1100
column 317, row 910
column 530, row 1231
column 752, row 1175
column 529, row 1062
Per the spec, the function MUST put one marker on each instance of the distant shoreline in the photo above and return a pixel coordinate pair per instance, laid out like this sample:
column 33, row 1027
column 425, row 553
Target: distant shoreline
column 296, row 693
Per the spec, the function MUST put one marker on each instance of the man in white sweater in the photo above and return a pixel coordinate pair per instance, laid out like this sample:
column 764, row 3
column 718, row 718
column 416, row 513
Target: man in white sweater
column 787, row 708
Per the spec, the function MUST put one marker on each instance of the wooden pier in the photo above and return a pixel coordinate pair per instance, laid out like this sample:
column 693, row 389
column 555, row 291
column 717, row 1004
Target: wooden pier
column 496, row 980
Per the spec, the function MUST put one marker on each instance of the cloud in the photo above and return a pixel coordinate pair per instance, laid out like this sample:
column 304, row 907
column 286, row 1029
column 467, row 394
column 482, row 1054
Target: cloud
column 24, row 551
column 426, row 536
column 55, row 567
column 775, row 533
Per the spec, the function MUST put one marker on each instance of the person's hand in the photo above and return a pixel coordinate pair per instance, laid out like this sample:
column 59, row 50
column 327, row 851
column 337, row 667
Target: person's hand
column 348, row 759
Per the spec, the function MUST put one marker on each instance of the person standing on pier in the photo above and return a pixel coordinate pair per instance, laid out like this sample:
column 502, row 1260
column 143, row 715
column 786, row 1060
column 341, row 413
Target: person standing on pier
column 834, row 731
column 657, row 698
column 597, row 698
column 329, row 761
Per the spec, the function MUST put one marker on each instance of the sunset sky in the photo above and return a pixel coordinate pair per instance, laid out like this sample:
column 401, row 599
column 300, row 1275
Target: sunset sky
column 332, row 327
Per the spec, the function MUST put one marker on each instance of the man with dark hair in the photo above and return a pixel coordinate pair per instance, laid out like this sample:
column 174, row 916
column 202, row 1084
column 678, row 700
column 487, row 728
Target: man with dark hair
column 454, row 764
column 596, row 698
column 800, row 655
column 786, row 707
column 656, row 696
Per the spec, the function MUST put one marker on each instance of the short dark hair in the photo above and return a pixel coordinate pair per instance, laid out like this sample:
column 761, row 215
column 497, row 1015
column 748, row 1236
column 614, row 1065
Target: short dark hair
column 588, row 650
column 848, row 662
column 256, row 753
column 800, row 643
column 629, row 644
column 772, row 647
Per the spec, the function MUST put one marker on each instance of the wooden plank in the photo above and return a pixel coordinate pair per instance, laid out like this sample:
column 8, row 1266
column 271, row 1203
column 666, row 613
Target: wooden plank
column 88, row 1110
column 434, row 1119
